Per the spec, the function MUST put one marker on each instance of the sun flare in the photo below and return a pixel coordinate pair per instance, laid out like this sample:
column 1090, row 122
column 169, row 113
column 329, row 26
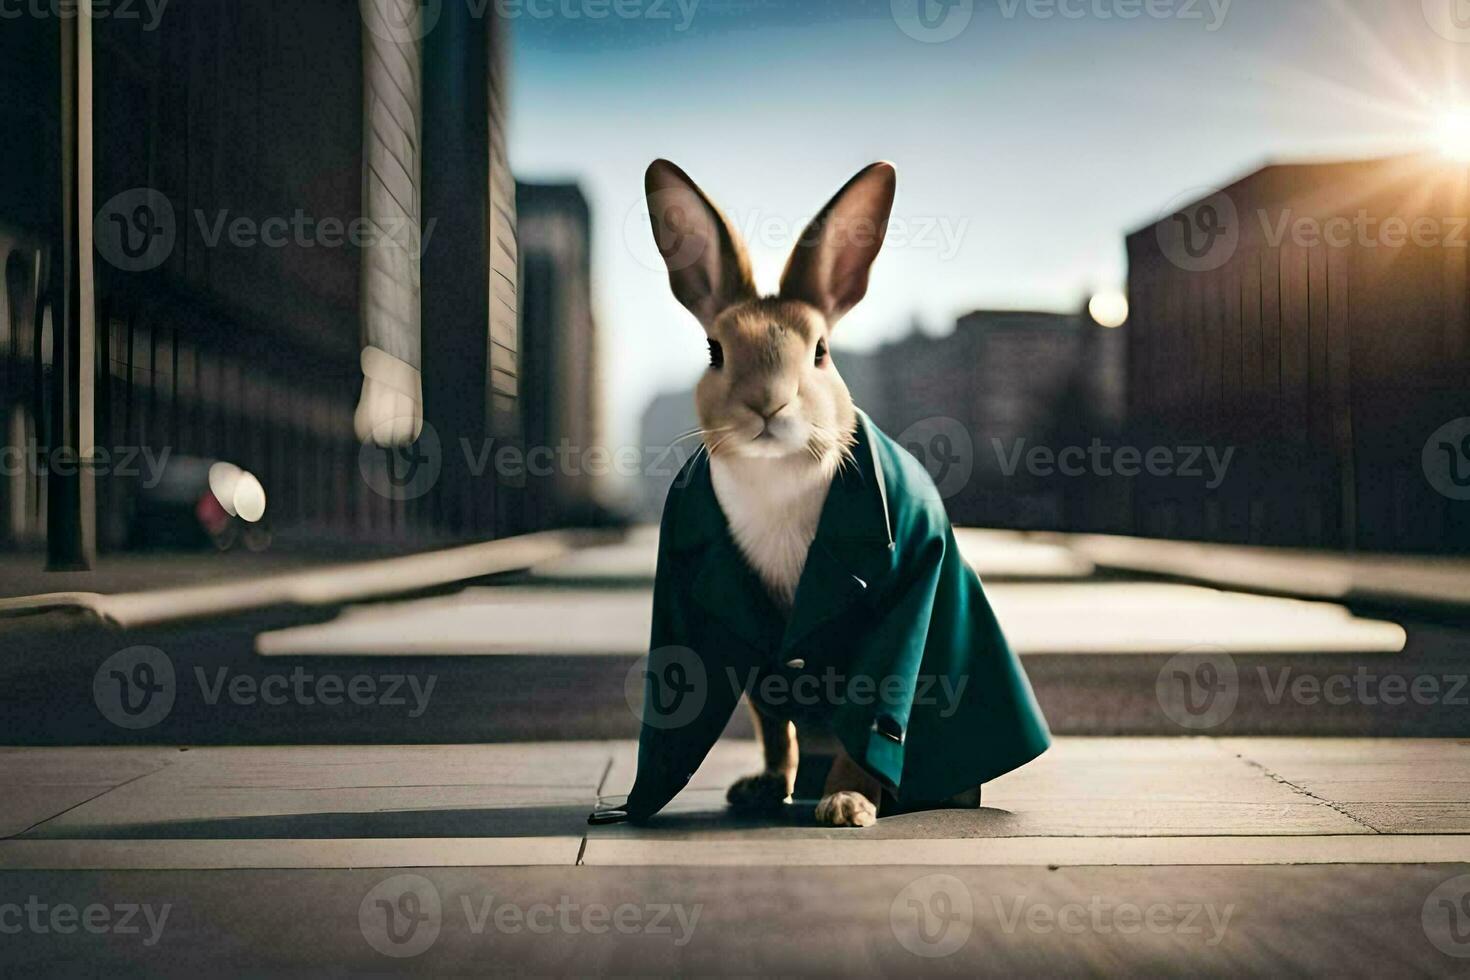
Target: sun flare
column 1452, row 134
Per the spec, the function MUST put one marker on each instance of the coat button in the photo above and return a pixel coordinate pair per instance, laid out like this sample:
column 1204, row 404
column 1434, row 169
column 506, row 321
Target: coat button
column 796, row 663
column 889, row 728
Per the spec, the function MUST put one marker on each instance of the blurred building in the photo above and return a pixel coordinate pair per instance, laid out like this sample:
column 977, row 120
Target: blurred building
column 669, row 416
column 1314, row 317
column 971, row 405
column 974, row 402
column 240, row 154
column 567, row 460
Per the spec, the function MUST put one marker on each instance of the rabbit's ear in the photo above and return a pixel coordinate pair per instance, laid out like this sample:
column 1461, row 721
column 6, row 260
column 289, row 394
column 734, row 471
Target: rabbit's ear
column 708, row 268
column 829, row 266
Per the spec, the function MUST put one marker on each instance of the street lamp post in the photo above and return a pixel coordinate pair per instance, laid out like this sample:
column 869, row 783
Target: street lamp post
column 71, row 519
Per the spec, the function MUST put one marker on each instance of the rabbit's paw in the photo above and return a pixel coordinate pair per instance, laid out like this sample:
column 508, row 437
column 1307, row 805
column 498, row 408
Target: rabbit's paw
column 847, row 809
column 763, row 792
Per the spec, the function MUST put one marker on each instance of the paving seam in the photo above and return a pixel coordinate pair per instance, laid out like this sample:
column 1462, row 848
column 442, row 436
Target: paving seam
column 1282, row 780
column 111, row 789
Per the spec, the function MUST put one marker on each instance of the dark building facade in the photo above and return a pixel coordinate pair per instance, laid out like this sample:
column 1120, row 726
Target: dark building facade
column 567, row 461
column 238, row 200
column 1314, row 318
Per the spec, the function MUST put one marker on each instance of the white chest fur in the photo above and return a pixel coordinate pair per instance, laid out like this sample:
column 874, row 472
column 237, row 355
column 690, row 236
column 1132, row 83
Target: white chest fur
column 772, row 506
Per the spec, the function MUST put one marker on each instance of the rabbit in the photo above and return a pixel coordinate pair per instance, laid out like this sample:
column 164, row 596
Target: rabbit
column 777, row 419
column 805, row 541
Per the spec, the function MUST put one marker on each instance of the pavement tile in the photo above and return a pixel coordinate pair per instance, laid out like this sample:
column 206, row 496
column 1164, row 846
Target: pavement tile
column 1122, row 787
column 994, row 554
column 374, row 852
column 240, row 806
column 1384, row 579
column 633, row 559
column 701, row 815
column 1279, row 751
column 860, row 850
column 761, row 920
column 1411, row 818
column 1350, row 771
column 525, row 621
column 1121, row 618
column 41, row 783
column 358, row 791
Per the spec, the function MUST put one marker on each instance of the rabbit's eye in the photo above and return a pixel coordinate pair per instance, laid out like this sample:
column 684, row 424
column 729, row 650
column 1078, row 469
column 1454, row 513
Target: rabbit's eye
column 716, row 354
column 821, row 352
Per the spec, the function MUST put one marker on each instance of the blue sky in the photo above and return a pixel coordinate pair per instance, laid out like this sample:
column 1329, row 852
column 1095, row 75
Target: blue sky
column 1027, row 145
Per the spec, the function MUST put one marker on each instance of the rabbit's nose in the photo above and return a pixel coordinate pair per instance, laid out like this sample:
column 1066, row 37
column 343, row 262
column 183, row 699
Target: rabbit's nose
column 764, row 410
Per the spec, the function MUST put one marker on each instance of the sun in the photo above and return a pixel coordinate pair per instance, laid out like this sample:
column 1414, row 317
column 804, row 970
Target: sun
column 1452, row 134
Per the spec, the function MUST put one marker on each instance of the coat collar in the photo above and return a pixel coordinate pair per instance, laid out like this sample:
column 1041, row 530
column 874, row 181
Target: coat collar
column 852, row 551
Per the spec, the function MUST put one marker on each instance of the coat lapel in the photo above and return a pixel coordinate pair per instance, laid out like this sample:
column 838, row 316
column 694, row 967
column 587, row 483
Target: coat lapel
column 853, row 548
column 721, row 582
column 851, row 553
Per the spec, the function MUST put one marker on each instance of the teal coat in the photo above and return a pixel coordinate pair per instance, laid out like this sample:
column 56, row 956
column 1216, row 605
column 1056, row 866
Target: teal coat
column 891, row 644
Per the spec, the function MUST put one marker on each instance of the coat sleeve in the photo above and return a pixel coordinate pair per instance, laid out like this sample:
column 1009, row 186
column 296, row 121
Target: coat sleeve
column 686, row 701
column 976, row 716
column 954, row 707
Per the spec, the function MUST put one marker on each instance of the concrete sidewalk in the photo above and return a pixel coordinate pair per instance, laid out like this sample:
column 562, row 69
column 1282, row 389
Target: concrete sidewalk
column 140, row 591
column 135, row 590
column 1089, row 801
column 1123, row 856
column 1431, row 583
column 1047, row 596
